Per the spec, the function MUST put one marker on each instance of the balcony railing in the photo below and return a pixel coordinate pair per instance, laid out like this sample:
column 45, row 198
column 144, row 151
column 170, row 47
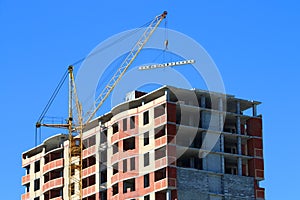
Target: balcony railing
column 55, row 183
column 53, row 165
column 25, row 179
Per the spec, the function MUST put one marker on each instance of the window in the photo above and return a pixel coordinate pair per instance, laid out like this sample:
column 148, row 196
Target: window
column 132, row 122
column 115, row 189
column 53, row 156
column 87, row 162
column 132, row 163
column 103, row 195
column 189, row 161
column 146, row 181
column 146, row 138
column 27, row 187
column 115, row 148
column 129, row 185
column 84, row 144
column 115, row 168
column 115, row 127
column 103, row 136
column 160, row 153
column 103, row 176
column 89, row 181
column 160, row 174
column 92, row 141
column 146, row 117
column 27, row 168
column 36, row 184
column 147, row 197
column 159, row 111
column 37, row 166
column 103, row 157
column 146, row 159
column 125, row 165
column 125, row 124
column 91, row 197
column 160, row 131
column 129, row 144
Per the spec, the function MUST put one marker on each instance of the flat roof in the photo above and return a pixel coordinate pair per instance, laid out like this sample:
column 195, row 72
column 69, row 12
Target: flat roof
column 244, row 104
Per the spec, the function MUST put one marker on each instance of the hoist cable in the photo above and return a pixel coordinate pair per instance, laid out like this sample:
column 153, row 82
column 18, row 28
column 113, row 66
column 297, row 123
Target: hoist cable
column 112, row 43
column 54, row 94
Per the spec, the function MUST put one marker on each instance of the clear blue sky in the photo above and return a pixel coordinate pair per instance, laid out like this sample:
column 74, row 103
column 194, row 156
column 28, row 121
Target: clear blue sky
column 254, row 43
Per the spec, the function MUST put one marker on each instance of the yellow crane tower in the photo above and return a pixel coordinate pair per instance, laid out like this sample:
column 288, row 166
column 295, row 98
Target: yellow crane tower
column 76, row 129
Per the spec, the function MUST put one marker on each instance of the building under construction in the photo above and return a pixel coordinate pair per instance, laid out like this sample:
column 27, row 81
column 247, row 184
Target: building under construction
column 168, row 144
column 155, row 146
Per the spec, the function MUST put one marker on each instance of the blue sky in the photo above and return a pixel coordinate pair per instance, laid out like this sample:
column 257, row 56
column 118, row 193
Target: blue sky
column 254, row 43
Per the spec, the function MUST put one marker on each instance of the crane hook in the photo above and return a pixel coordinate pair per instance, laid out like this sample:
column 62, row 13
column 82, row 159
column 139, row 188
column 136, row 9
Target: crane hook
column 166, row 44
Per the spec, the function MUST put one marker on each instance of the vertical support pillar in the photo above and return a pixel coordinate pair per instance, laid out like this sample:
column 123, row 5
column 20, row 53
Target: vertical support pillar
column 254, row 110
column 167, row 93
column 239, row 139
column 202, row 102
column 168, row 194
column 221, row 123
column 202, row 105
column 222, row 157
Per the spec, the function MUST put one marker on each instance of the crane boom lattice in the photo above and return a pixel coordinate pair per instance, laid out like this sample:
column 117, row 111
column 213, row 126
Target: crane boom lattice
column 125, row 64
column 75, row 127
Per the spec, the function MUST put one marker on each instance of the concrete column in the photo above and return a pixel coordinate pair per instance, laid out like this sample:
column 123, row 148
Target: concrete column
column 202, row 105
column 221, row 114
column 202, row 102
column 238, row 118
column 221, row 124
column 239, row 140
column 254, row 110
column 167, row 93
column 240, row 170
column 168, row 195
column 222, row 157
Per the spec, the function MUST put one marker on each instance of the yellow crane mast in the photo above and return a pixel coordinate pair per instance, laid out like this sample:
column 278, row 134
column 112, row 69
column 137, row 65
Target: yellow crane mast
column 76, row 130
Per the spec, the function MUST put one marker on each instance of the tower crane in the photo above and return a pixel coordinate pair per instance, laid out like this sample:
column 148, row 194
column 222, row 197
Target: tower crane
column 75, row 130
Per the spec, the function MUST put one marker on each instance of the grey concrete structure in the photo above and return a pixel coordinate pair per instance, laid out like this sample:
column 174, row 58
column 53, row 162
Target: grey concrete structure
column 170, row 144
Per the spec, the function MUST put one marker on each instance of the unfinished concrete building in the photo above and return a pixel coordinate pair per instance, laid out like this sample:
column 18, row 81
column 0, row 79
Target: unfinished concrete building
column 168, row 144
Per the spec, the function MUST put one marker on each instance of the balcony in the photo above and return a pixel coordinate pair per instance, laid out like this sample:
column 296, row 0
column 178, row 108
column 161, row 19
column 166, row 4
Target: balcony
column 89, row 151
column 160, row 120
column 161, row 184
column 57, row 198
column 25, row 179
column 161, row 162
column 53, row 184
column 88, row 171
column 88, row 191
column 26, row 196
column 53, row 165
column 161, row 141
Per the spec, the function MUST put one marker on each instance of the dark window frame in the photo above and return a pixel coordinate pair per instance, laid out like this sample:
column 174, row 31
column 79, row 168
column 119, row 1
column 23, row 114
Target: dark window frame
column 146, row 138
column 125, row 124
column 146, row 159
column 37, row 184
column 132, row 163
column 37, row 166
column 132, row 122
column 146, row 180
column 146, row 117
column 124, row 165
